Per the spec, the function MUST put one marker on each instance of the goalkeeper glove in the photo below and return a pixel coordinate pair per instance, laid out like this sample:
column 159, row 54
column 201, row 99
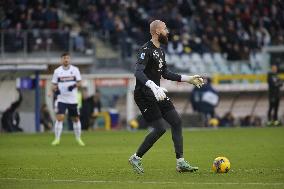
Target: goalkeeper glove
column 195, row 80
column 159, row 92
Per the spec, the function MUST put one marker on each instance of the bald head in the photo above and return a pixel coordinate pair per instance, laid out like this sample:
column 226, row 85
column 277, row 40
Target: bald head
column 159, row 31
column 156, row 26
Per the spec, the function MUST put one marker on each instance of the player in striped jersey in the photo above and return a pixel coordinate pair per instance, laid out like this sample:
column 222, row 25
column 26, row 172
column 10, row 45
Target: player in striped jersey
column 65, row 81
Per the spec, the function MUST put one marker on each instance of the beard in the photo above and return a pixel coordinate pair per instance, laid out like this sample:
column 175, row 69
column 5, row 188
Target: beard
column 66, row 65
column 163, row 39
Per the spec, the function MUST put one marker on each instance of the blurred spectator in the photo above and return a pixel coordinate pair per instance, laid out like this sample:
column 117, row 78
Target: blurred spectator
column 11, row 118
column 36, row 16
column 195, row 99
column 185, row 43
column 109, row 27
column 175, row 46
column 228, row 120
column 45, row 118
column 95, row 106
column 204, row 100
column 79, row 41
column 274, row 85
column 84, row 111
column 209, row 100
column 51, row 18
column 14, row 39
column 215, row 47
column 250, row 120
column 90, row 107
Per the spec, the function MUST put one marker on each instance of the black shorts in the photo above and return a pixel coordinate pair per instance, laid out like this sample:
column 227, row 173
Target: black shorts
column 72, row 109
column 150, row 108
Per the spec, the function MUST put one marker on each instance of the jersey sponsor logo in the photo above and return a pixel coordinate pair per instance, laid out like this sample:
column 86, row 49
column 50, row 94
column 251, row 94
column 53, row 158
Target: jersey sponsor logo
column 142, row 56
column 66, row 79
column 160, row 63
column 156, row 54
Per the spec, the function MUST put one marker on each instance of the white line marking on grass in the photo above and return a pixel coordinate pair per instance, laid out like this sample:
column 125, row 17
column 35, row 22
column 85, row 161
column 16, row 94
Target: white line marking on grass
column 27, row 168
column 153, row 169
column 147, row 182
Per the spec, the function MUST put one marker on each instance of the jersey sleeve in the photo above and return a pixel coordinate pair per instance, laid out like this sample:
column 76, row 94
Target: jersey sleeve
column 167, row 74
column 54, row 78
column 78, row 75
column 143, row 58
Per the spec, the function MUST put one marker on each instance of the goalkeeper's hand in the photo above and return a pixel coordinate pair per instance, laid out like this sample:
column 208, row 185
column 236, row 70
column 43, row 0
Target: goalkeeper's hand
column 71, row 87
column 196, row 80
column 159, row 92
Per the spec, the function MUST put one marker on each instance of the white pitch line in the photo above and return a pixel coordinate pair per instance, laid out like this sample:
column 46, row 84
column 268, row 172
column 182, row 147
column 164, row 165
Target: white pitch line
column 122, row 169
column 27, row 168
column 148, row 182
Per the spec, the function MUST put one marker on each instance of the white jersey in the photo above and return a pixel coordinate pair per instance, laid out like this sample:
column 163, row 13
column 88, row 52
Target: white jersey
column 64, row 79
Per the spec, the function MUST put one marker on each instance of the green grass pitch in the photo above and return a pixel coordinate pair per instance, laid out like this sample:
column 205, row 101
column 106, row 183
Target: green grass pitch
column 29, row 161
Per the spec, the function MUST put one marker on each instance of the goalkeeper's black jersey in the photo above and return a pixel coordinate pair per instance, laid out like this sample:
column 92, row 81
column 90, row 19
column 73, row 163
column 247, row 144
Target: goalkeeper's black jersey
column 151, row 65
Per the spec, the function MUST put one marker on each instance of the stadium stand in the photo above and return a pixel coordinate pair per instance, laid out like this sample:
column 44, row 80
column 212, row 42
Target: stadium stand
column 223, row 39
column 240, row 25
column 230, row 26
column 204, row 35
column 35, row 26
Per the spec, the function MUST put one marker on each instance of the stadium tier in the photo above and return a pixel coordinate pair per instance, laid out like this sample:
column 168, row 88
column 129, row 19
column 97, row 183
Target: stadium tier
column 232, row 42
column 96, row 92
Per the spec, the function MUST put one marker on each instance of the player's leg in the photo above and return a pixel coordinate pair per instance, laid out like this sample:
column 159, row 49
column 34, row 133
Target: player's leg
column 174, row 120
column 275, row 116
column 152, row 137
column 149, row 141
column 58, row 126
column 172, row 117
column 74, row 114
column 270, row 110
column 77, row 131
column 151, row 114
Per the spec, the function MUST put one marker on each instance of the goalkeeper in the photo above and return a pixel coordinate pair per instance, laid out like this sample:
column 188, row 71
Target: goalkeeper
column 152, row 101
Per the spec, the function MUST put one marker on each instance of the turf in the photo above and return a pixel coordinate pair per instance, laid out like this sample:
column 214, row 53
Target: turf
column 29, row 161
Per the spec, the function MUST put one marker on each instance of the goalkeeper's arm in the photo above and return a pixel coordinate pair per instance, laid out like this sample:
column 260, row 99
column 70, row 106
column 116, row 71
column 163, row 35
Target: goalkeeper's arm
column 195, row 79
column 159, row 92
column 139, row 73
column 167, row 74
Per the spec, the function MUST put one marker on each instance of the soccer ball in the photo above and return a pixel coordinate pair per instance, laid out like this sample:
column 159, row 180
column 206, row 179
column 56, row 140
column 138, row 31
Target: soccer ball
column 134, row 124
column 221, row 165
